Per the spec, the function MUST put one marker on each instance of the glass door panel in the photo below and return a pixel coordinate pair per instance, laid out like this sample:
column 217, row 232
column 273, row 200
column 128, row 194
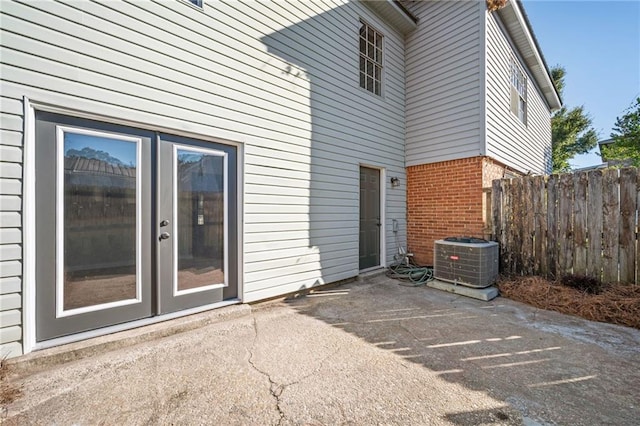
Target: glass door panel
column 201, row 219
column 197, row 229
column 98, row 222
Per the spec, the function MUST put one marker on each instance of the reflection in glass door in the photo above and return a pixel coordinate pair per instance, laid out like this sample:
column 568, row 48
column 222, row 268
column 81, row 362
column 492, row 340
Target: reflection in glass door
column 200, row 200
column 196, row 224
column 98, row 221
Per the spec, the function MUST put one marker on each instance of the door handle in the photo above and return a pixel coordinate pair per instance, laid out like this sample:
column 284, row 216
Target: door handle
column 164, row 236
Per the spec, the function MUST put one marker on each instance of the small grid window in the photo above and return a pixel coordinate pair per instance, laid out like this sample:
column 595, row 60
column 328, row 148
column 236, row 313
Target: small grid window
column 518, row 92
column 370, row 59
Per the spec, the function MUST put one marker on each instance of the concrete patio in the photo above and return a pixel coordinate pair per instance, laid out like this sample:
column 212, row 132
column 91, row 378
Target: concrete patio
column 366, row 352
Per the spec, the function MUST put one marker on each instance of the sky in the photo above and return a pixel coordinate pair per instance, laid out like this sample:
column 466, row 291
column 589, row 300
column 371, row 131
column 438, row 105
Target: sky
column 598, row 43
column 124, row 151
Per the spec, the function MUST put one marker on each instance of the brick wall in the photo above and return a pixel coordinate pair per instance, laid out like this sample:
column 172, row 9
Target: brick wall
column 446, row 199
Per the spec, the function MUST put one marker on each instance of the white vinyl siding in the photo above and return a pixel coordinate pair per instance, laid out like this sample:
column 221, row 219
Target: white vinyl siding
column 277, row 77
column 10, row 226
column 524, row 147
column 444, row 78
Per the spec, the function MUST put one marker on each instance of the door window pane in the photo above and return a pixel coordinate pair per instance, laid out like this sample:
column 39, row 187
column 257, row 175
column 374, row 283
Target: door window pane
column 200, row 196
column 99, row 219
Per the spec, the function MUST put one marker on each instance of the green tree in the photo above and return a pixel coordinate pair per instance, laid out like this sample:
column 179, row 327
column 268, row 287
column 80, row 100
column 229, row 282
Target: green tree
column 626, row 137
column 571, row 130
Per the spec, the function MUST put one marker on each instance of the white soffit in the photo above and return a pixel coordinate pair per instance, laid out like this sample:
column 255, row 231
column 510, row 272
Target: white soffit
column 394, row 14
column 518, row 28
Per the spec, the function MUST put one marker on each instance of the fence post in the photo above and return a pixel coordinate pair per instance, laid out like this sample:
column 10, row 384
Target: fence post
column 552, row 226
column 594, row 228
column 610, row 225
column 580, row 181
column 506, row 249
column 527, row 226
column 627, row 237
column 540, row 226
column 565, row 230
column 517, row 230
column 496, row 201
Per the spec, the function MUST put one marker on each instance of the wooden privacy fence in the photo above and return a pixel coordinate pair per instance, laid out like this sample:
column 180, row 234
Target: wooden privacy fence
column 583, row 223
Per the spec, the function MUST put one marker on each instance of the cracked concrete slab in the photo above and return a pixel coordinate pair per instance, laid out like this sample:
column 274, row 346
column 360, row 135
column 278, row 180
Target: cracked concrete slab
column 368, row 352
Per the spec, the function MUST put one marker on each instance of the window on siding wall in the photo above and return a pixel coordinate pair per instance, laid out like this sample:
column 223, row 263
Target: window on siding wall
column 196, row 2
column 370, row 59
column 518, row 92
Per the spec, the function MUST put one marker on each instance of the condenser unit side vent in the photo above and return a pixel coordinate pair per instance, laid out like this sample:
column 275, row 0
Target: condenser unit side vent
column 468, row 262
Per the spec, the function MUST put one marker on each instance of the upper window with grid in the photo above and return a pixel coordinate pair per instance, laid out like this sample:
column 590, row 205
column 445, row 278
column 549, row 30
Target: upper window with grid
column 518, row 92
column 370, row 59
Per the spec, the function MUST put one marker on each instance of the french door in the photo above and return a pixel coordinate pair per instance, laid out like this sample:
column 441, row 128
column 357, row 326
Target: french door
column 197, row 184
column 129, row 224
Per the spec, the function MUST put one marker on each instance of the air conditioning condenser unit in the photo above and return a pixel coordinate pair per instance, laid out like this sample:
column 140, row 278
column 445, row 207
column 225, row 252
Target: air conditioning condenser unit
column 470, row 262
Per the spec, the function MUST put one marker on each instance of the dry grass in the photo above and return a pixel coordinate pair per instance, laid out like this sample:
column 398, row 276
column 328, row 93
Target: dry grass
column 8, row 393
column 615, row 303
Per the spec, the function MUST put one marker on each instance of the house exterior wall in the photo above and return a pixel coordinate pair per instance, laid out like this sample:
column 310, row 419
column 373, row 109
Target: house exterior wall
column 280, row 79
column 449, row 199
column 10, row 227
column 526, row 148
column 444, row 199
column 461, row 132
column 444, row 81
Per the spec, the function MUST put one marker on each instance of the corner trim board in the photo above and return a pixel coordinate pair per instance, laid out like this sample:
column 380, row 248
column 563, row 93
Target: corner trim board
column 28, row 230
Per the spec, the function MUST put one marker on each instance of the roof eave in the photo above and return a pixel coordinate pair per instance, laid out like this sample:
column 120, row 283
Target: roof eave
column 517, row 24
column 394, row 13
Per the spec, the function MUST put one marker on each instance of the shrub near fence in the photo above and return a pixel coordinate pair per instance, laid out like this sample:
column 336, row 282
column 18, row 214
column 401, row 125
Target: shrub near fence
column 583, row 223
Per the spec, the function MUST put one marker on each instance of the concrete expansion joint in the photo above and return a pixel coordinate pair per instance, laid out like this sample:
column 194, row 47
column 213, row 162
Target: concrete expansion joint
column 275, row 388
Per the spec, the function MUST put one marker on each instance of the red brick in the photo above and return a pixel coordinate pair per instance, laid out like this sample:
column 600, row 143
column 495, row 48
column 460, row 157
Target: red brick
column 445, row 199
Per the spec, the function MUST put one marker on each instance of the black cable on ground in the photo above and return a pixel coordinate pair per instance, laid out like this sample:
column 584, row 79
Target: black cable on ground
column 410, row 275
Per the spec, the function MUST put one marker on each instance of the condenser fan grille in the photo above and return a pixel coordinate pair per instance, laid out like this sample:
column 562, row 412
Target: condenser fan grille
column 466, row 261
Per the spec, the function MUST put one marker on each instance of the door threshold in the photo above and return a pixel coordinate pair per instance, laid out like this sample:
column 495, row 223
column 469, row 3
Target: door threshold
column 82, row 345
column 371, row 272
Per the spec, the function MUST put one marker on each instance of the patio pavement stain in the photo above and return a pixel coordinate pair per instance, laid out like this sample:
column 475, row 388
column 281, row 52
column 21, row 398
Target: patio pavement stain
column 367, row 352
